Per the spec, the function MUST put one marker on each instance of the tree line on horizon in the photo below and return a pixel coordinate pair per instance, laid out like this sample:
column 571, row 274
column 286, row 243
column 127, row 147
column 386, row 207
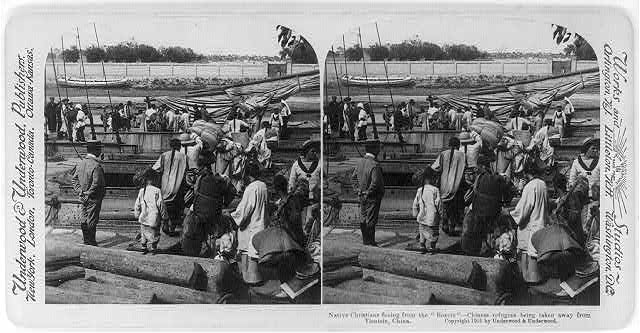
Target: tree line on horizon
column 415, row 49
column 131, row 52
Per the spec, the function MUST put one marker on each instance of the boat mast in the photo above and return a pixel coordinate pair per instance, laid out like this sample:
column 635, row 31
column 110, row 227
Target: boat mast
column 64, row 67
column 335, row 67
column 104, row 74
column 86, row 89
column 364, row 68
column 386, row 72
column 346, row 69
column 55, row 74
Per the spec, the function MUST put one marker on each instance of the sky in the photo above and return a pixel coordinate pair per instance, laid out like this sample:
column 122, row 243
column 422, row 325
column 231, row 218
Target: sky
column 242, row 35
column 256, row 34
column 491, row 35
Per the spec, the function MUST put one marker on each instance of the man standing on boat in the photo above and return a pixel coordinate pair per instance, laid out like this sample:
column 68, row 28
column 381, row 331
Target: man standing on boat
column 363, row 120
column 368, row 183
column 88, row 181
column 285, row 113
column 50, row 115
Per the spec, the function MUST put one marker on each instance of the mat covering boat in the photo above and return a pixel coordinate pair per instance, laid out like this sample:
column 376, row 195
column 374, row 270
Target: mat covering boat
column 531, row 94
column 251, row 97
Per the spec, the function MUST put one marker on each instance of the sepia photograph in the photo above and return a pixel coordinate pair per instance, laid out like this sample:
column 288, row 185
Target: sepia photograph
column 461, row 162
column 182, row 162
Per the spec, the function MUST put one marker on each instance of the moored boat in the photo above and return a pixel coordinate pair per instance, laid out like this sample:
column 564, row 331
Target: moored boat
column 81, row 83
column 376, row 81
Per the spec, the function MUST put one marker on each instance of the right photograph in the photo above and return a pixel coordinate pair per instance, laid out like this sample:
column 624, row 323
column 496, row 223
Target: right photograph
column 461, row 164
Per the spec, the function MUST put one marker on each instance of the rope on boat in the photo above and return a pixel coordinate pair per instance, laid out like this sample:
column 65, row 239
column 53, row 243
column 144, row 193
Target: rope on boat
column 55, row 74
column 86, row 89
column 366, row 78
column 104, row 74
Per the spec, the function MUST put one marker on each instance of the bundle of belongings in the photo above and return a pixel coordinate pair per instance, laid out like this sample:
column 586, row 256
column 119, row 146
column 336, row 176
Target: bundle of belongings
column 284, row 248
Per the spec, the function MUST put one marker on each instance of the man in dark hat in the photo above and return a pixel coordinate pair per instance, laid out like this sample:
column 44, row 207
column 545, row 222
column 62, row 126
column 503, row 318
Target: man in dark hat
column 490, row 192
column 88, row 181
column 368, row 183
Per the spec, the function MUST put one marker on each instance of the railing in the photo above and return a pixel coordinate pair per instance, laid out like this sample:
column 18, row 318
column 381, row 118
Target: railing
column 226, row 70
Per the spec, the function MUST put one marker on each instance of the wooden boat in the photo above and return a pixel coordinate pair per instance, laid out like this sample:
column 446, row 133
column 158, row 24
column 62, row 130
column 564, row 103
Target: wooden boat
column 361, row 81
column 80, row 83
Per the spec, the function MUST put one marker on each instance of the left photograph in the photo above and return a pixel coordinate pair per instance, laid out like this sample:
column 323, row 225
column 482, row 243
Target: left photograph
column 182, row 162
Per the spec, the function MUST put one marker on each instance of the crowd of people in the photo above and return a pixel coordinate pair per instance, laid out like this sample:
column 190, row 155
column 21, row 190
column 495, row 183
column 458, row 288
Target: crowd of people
column 468, row 191
column 231, row 216
column 348, row 119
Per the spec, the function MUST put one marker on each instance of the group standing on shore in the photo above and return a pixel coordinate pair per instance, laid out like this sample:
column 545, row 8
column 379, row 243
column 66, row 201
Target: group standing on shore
column 468, row 191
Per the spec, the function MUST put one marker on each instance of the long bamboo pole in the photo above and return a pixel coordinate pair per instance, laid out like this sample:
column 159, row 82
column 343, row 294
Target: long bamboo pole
column 335, row 67
column 64, row 66
column 86, row 89
column 346, row 69
column 386, row 72
column 366, row 78
column 114, row 126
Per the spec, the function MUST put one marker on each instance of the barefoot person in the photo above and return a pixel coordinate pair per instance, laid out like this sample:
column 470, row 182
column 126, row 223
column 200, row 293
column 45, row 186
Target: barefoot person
column 88, row 181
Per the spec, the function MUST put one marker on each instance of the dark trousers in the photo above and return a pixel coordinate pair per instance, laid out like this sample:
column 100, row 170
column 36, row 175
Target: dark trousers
column 284, row 131
column 80, row 134
column 70, row 129
column 475, row 230
column 362, row 133
column 91, row 214
column 369, row 211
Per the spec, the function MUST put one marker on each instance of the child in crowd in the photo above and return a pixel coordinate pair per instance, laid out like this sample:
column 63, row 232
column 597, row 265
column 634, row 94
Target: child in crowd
column 149, row 209
column 427, row 210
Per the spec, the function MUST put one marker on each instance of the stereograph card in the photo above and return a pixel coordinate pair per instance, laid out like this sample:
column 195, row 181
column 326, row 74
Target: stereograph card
column 361, row 166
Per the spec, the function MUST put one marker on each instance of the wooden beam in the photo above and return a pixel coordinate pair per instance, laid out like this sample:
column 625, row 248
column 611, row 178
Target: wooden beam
column 55, row 295
column 55, row 278
column 332, row 278
column 410, row 296
column 166, row 293
column 340, row 296
column 446, row 268
column 444, row 293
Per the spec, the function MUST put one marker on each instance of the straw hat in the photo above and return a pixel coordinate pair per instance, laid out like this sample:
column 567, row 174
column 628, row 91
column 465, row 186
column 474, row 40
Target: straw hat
column 360, row 105
column 78, row 106
column 310, row 144
column 589, row 142
column 465, row 138
column 186, row 139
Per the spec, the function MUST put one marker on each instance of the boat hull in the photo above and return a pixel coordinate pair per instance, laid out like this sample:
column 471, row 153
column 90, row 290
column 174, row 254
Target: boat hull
column 357, row 81
column 79, row 83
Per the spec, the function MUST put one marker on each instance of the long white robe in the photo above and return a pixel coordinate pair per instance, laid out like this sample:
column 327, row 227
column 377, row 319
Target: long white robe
column 250, row 215
column 531, row 214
